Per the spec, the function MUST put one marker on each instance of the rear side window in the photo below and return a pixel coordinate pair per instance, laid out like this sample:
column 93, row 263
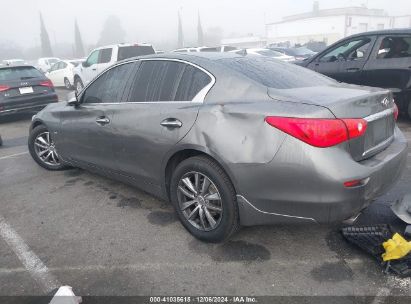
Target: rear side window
column 19, row 73
column 105, row 55
column 108, row 88
column 395, row 47
column 159, row 80
column 192, row 82
column 125, row 52
column 276, row 74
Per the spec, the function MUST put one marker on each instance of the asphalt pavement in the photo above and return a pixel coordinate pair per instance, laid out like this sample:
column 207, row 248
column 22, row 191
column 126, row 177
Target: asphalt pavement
column 105, row 238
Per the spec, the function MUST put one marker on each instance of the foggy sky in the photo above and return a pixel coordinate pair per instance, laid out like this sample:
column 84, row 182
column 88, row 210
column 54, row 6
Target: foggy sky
column 156, row 20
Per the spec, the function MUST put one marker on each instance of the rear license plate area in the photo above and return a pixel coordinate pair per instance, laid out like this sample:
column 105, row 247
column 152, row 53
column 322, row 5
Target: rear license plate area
column 26, row 90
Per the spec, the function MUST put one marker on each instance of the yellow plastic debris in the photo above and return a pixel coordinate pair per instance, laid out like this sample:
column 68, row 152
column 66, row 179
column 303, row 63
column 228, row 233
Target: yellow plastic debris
column 396, row 248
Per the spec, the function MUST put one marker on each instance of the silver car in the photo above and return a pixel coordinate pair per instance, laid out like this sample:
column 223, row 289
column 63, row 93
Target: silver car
column 230, row 140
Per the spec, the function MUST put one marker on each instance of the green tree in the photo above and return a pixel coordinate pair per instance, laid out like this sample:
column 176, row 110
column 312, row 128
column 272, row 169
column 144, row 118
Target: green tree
column 46, row 50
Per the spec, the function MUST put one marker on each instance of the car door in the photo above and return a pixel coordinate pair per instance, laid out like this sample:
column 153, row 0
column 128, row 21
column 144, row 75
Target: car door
column 58, row 74
column 86, row 132
column 52, row 74
column 162, row 105
column 389, row 65
column 89, row 67
column 336, row 62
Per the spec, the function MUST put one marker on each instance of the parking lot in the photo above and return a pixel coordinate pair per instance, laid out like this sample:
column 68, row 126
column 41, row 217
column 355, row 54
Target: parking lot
column 105, row 238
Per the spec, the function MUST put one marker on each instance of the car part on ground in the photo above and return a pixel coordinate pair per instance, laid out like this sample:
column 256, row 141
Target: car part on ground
column 371, row 240
column 395, row 248
column 402, row 208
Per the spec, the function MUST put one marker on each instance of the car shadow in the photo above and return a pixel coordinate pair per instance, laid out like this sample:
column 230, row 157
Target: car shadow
column 16, row 117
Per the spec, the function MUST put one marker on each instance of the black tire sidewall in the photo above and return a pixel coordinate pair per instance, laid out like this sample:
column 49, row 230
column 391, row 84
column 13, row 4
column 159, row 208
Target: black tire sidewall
column 76, row 82
column 229, row 220
column 33, row 134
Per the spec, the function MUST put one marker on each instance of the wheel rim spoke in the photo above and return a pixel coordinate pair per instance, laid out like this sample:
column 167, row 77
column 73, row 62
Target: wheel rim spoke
column 212, row 197
column 206, row 185
column 214, row 208
column 202, row 218
column 193, row 213
column 210, row 218
column 42, row 140
column 189, row 185
column 40, row 145
column 185, row 205
column 43, row 152
column 186, row 193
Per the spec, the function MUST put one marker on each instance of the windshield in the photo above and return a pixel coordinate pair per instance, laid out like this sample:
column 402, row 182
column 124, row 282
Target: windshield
column 18, row 73
column 52, row 61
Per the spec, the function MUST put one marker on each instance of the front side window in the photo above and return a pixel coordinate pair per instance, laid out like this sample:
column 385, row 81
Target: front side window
column 351, row 50
column 105, row 55
column 160, row 80
column 93, row 58
column 108, row 88
column 395, row 47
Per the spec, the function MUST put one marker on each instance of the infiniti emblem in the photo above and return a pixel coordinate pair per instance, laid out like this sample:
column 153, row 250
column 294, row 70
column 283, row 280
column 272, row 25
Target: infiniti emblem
column 385, row 102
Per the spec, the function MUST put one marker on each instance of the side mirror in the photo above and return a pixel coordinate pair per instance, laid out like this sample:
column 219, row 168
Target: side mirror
column 84, row 64
column 74, row 101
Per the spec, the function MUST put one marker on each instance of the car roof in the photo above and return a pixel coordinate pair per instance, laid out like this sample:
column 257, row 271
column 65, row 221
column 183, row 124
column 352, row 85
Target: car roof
column 16, row 66
column 191, row 57
column 122, row 45
column 384, row 32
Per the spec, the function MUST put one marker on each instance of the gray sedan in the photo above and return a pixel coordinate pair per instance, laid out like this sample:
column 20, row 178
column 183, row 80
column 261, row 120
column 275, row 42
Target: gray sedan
column 230, row 140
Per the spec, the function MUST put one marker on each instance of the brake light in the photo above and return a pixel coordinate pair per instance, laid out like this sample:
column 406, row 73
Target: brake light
column 319, row 132
column 396, row 112
column 4, row 88
column 47, row 83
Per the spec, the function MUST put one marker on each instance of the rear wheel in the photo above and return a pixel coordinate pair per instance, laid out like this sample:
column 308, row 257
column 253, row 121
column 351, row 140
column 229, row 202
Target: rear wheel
column 43, row 150
column 204, row 199
column 78, row 85
column 67, row 84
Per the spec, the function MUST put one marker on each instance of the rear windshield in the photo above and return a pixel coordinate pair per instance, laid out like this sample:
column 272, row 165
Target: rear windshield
column 276, row 74
column 125, row 52
column 269, row 53
column 19, row 73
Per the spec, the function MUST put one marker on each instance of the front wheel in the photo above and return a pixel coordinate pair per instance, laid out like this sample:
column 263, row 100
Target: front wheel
column 43, row 150
column 204, row 199
column 78, row 84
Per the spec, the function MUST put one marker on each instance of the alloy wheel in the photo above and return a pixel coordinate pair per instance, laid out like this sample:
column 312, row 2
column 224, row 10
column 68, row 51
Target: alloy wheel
column 46, row 150
column 200, row 201
column 67, row 83
column 79, row 87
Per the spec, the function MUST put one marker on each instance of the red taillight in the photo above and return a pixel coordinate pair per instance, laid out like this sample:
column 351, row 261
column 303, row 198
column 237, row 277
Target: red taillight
column 353, row 183
column 396, row 112
column 4, row 88
column 319, row 132
column 47, row 83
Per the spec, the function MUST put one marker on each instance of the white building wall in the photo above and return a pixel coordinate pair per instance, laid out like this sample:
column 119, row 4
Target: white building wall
column 328, row 29
column 360, row 24
column 401, row 22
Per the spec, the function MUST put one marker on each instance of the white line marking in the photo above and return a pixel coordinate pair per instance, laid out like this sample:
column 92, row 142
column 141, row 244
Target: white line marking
column 14, row 155
column 28, row 258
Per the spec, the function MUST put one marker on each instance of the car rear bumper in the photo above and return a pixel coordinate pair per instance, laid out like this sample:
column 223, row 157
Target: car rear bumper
column 27, row 104
column 308, row 185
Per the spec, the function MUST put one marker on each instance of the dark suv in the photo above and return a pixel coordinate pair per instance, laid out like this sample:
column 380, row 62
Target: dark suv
column 378, row 59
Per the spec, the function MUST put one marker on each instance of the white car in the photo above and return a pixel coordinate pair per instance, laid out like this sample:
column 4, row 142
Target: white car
column 223, row 48
column 103, row 57
column 62, row 73
column 44, row 64
column 266, row 53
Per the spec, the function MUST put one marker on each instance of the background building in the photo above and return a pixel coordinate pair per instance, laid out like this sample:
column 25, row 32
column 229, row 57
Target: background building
column 245, row 42
column 330, row 25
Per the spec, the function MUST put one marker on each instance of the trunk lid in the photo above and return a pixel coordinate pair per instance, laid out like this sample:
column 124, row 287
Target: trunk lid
column 374, row 105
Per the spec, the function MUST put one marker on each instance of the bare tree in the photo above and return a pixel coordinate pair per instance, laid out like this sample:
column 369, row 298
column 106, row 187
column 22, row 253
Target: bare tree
column 78, row 42
column 200, row 34
column 180, row 42
column 46, row 50
column 112, row 32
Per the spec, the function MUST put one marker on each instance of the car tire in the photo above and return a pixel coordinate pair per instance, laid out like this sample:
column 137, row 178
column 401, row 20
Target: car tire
column 226, row 221
column 78, row 85
column 42, row 150
column 67, row 84
column 409, row 110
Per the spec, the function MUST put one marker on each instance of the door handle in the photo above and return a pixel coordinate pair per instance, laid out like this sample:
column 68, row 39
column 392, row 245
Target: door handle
column 102, row 121
column 352, row 69
column 94, row 69
column 171, row 123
